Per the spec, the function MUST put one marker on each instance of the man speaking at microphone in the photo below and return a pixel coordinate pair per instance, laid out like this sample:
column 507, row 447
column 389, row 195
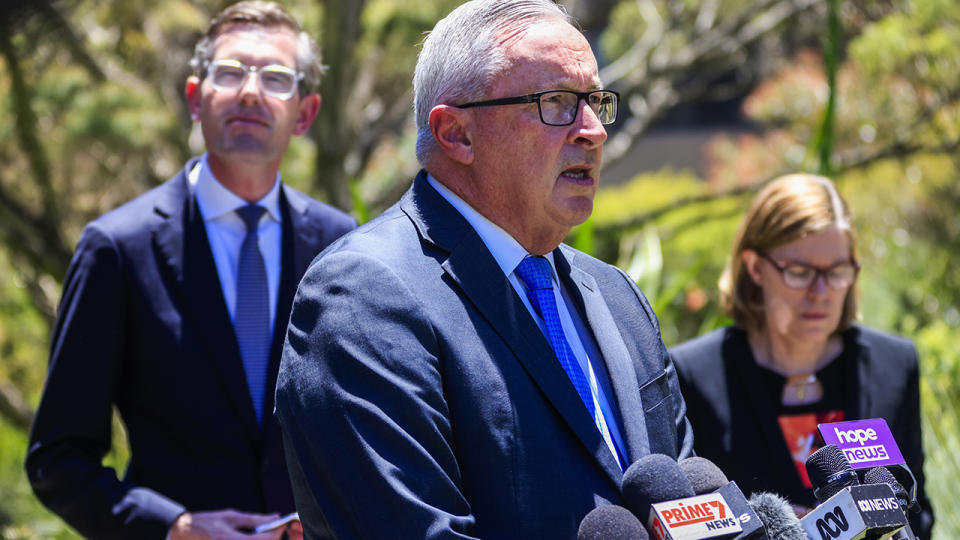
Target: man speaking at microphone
column 451, row 369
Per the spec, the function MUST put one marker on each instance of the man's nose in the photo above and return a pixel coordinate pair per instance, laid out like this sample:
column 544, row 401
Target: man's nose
column 587, row 129
column 249, row 91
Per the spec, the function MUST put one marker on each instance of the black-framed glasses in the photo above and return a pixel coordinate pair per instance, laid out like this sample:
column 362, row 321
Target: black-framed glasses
column 797, row 275
column 275, row 80
column 559, row 107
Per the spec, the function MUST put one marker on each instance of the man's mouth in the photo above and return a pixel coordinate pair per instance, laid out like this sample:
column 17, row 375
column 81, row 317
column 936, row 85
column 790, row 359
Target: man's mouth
column 578, row 174
column 247, row 120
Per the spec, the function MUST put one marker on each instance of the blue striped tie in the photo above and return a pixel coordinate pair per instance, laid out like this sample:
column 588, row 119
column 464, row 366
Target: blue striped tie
column 252, row 320
column 536, row 275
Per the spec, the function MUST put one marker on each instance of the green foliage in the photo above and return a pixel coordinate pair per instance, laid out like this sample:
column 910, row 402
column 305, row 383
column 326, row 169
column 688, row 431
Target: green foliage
column 896, row 95
column 677, row 257
column 23, row 516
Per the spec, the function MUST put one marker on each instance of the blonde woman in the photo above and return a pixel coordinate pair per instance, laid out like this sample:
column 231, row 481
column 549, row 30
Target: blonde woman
column 756, row 391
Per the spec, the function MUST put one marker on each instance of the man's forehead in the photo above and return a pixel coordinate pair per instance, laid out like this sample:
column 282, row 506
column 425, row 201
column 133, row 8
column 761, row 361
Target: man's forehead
column 255, row 40
column 554, row 53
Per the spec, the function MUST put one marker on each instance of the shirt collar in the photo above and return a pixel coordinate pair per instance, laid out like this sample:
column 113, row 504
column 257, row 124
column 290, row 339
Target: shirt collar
column 505, row 249
column 215, row 200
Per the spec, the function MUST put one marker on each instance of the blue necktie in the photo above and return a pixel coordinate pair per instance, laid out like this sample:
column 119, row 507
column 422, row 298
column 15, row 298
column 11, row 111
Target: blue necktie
column 252, row 318
column 536, row 275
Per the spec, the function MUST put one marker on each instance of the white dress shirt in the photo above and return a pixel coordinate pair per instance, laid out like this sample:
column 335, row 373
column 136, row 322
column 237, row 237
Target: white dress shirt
column 509, row 253
column 226, row 231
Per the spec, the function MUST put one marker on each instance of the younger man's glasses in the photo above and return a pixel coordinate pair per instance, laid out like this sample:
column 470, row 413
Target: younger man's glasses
column 274, row 80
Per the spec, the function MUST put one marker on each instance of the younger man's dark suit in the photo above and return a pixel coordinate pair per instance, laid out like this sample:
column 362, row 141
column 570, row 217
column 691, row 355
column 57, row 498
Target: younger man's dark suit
column 143, row 325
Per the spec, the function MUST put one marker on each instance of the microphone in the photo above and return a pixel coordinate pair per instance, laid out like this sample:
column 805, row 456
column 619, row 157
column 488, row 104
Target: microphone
column 657, row 487
column 777, row 517
column 764, row 516
column 829, row 472
column 704, row 475
column 653, row 478
column 880, row 475
column 902, row 473
column 611, row 522
column 870, row 443
column 848, row 510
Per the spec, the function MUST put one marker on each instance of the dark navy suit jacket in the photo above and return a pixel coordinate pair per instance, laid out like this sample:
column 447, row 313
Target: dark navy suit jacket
column 419, row 398
column 737, row 429
column 143, row 326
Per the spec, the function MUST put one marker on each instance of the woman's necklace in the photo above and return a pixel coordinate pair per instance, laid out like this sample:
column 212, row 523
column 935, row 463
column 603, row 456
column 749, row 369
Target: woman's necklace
column 800, row 388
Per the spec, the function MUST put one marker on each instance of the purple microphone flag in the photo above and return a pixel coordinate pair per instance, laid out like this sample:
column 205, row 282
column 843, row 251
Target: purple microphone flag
column 865, row 443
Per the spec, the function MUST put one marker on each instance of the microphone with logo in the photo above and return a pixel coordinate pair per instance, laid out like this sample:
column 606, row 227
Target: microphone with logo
column 848, row 510
column 764, row 516
column 657, row 491
column 880, row 475
column 869, row 443
column 611, row 522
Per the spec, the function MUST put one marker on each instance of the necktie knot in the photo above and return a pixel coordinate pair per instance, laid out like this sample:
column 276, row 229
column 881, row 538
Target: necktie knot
column 535, row 273
column 250, row 214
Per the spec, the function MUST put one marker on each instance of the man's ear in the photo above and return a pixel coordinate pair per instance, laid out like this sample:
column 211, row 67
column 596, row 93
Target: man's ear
column 192, row 91
column 309, row 107
column 750, row 260
column 451, row 129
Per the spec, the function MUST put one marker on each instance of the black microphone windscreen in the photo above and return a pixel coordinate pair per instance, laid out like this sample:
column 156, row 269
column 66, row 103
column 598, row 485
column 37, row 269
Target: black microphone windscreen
column 651, row 479
column 905, row 476
column 777, row 516
column 704, row 475
column 880, row 475
column 611, row 522
column 829, row 472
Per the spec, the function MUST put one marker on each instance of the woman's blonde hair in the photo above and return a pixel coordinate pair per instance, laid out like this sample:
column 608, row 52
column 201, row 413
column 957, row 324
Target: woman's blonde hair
column 787, row 209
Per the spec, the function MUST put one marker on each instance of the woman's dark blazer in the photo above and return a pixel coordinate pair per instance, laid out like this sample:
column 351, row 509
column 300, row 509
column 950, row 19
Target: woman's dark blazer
column 736, row 427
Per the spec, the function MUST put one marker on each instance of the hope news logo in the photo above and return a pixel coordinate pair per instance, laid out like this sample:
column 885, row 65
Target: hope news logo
column 862, row 453
column 832, row 524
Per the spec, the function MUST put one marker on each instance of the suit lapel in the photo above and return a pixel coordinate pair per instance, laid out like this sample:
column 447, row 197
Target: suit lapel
column 474, row 270
column 299, row 244
column 620, row 369
column 181, row 241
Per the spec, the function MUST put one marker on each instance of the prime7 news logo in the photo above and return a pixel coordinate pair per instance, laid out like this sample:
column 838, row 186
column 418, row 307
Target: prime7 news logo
column 865, row 443
column 703, row 516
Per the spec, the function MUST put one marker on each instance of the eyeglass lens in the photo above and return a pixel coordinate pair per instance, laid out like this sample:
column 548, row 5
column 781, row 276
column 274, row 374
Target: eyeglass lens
column 559, row 108
column 274, row 79
column 801, row 276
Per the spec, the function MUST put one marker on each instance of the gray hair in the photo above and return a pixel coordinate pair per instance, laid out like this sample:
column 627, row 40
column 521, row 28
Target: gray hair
column 266, row 14
column 461, row 57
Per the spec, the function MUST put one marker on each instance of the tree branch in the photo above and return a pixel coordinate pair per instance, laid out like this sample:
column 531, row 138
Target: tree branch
column 14, row 407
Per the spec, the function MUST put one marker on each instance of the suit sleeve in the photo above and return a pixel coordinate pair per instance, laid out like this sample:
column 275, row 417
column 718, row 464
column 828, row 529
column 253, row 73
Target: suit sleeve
column 911, row 445
column 360, row 400
column 71, row 432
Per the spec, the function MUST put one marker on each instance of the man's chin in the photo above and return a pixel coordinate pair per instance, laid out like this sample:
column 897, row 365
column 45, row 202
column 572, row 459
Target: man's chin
column 578, row 211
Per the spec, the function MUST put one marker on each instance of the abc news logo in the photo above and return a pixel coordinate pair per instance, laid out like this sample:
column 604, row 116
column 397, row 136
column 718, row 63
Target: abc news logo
column 832, row 524
column 862, row 453
column 835, row 523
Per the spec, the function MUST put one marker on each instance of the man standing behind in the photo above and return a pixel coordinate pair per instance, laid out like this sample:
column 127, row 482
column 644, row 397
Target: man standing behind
column 451, row 369
column 174, row 310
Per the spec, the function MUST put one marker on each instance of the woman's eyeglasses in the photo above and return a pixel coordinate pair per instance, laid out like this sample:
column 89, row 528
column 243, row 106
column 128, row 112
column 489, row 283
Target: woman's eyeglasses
column 797, row 275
